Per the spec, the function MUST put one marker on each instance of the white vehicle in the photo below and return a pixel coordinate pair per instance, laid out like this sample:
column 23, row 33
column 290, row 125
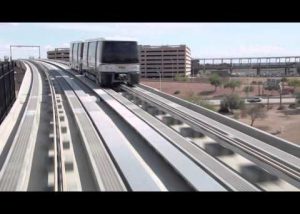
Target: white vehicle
column 106, row 61
column 254, row 99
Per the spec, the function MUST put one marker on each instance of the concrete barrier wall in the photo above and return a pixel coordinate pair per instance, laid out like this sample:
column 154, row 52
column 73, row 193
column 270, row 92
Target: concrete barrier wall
column 7, row 88
column 251, row 131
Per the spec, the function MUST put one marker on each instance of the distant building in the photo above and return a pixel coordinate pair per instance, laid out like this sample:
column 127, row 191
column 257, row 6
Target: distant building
column 59, row 54
column 169, row 61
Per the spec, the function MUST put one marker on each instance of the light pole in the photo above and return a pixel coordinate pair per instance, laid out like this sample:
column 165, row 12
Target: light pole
column 159, row 79
column 280, row 91
column 172, row 69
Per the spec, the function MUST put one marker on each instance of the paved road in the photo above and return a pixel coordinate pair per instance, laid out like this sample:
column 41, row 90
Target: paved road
column 272, row 100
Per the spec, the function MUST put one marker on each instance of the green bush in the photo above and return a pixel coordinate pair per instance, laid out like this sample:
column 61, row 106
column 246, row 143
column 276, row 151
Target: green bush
column 292, row 105
column 199, row 101
column 248, row 89
column 231, row 102
column 215, row 80
column 294, row 83
column 232, row 84
column 256, row 111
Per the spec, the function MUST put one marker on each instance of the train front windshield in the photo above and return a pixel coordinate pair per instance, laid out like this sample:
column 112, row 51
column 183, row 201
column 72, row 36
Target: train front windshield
column 120, row 52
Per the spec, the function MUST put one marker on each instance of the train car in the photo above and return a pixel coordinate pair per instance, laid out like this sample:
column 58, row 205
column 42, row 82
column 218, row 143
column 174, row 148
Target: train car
column 107, row 61
column 75, row 55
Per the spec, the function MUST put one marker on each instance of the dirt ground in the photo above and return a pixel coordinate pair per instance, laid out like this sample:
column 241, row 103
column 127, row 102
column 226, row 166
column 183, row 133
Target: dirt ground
column 284, row 125
column 204, row 89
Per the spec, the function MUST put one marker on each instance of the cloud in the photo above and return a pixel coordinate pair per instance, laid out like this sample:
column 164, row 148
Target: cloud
column 9, row 24
column 65, row 45
column 247, row 51
column 48, row 47
column 262, row 50
column 15, row 24
column 118, row 26
column 23, row 52
column 126, row 29
column 4, row 50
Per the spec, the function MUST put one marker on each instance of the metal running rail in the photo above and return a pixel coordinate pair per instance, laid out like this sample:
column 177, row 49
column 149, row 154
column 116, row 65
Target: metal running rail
column 219, row 171
column 225, row 175
column 105, row 174
column 137, row 174
column 237, row 127
column 283, row 164
column 54, row 175
column 182, row 164
column 65, row 169
column 164, row 95
column 15, row 172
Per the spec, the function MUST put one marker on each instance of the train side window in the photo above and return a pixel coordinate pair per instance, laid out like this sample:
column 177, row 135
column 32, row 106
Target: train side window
column 99, row 53
column 80, row 50
column 91, row 54
column 71, row 52
column 74, row 52
column 95, row 60
column 85, row 52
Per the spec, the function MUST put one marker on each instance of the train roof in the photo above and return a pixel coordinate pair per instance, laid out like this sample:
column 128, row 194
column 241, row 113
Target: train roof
column 107, row 39
column 77, row 41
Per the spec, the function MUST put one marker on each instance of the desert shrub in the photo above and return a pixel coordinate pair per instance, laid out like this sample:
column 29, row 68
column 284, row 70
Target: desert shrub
column 215, row 80
column 232, row 84
column 231, row 102
column 282, row 107
column 248, row 89
column 177, row 92
column 292, row 106
column 256, row 111
column 224, row 110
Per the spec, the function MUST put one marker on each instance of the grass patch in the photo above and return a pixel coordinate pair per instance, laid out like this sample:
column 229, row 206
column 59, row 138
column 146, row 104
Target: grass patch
column 201, row 102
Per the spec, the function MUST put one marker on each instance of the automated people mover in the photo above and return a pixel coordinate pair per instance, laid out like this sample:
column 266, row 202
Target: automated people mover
column 107, row 61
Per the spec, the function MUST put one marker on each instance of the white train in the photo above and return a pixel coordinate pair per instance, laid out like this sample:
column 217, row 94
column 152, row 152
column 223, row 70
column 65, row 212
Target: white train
column 107, row 61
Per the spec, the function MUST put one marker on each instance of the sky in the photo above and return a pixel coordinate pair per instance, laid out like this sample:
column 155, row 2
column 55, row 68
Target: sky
column 205, row 40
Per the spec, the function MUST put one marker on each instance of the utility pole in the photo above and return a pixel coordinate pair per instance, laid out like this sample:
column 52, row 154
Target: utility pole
column 10, row 53
column 172, row 70
column 280, row 94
